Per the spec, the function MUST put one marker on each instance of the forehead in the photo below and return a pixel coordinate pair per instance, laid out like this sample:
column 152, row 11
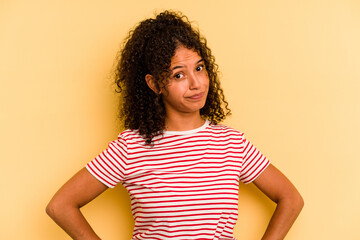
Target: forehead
column 184, row 55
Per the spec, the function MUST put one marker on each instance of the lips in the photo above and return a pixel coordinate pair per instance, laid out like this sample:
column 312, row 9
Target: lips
column 196, row 96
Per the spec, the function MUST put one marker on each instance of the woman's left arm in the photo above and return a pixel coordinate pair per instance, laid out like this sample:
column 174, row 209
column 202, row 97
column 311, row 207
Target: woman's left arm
column 289, row 202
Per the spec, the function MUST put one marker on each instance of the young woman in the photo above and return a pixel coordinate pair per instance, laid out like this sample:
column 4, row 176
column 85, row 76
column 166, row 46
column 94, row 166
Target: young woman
column 181, row 168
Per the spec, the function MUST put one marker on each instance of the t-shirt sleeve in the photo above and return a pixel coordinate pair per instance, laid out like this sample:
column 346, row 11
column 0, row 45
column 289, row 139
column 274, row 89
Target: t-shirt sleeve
column 254, row 163
column 109, row 167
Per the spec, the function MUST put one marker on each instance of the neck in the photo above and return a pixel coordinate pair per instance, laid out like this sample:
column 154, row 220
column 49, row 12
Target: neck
column 184, row 122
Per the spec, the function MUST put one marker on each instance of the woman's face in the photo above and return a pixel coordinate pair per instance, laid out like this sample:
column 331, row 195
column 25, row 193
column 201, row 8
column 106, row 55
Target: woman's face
column 188, row 86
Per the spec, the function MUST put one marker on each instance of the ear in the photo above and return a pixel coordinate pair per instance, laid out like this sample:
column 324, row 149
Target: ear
column 150, row 80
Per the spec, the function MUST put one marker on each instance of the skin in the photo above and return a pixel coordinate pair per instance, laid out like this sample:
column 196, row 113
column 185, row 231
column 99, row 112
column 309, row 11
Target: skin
column 289, row 202
column 185, row 94
column 64, row 207
column 183, row 98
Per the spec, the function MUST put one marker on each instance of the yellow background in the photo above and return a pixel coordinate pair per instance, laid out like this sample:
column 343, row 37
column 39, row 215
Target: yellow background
column 290, row 71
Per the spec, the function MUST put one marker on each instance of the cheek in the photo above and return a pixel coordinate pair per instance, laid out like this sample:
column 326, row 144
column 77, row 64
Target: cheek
column 178, row 89
column 206, row 82
column 173, row 92
column 205, row 77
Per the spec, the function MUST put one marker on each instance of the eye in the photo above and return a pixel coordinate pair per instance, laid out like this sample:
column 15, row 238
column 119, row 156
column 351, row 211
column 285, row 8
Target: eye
column 199, row 68
column 178, row 75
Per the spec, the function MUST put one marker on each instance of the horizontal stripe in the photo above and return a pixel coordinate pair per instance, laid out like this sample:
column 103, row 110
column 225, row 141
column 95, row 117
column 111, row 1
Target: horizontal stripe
column 186, row 185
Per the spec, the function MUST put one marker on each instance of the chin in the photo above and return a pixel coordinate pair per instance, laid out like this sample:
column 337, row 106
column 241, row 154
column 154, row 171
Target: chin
column 198, row 108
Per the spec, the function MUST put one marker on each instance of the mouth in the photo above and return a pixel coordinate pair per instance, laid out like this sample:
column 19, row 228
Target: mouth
column 196, row 96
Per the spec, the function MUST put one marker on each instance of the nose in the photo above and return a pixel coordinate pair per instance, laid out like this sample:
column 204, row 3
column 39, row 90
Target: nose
column 194, row 81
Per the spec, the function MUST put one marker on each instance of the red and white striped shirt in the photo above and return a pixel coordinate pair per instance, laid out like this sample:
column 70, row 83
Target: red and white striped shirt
column 186, row 185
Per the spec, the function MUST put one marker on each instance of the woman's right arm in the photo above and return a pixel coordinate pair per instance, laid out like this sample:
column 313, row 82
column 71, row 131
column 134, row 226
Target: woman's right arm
column 64, row 207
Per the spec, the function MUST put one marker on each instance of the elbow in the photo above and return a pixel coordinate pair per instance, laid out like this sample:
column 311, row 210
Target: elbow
column 55, row 208
column 51, row 209
column 294, row 202
column 297, row 202
column 300, row 202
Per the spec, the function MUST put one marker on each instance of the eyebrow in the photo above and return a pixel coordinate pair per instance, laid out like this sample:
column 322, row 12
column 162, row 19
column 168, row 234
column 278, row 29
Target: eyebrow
column 181, row 66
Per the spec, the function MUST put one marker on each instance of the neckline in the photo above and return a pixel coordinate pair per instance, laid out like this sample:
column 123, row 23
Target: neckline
column 187, row 132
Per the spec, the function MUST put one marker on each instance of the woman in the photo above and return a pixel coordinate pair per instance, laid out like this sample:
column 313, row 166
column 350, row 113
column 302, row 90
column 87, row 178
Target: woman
column 180, row 167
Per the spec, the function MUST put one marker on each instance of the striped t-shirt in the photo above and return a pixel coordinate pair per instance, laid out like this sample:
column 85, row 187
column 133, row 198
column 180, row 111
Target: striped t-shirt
column 186, row 185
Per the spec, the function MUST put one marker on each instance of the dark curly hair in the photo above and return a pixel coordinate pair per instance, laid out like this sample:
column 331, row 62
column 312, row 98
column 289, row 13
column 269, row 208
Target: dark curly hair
column 148, row 49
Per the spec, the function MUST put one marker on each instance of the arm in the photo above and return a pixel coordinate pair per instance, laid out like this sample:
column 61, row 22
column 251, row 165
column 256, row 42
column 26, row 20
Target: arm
column 64, row 207
column 289, row 202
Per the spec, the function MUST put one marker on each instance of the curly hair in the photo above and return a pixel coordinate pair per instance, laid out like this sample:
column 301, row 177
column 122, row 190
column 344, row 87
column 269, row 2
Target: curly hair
column 148, row 49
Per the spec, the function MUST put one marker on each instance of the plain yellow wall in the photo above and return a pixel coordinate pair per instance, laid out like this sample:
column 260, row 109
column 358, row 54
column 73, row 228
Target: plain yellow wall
column 290, row 71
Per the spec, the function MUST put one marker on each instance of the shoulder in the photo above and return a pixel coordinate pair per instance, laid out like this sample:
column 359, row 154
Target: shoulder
column 220, row 128
column 129, row 137
column 221, row 131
